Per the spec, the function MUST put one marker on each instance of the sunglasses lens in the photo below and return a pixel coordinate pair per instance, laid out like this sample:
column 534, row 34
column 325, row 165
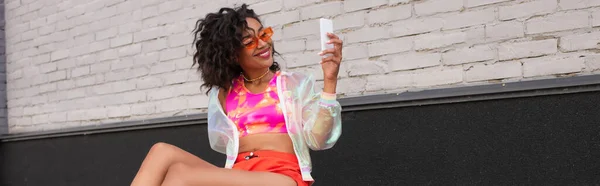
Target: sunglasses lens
column 265, row 36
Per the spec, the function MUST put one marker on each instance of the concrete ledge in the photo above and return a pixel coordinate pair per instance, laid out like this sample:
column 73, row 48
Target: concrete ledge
column 566, row 85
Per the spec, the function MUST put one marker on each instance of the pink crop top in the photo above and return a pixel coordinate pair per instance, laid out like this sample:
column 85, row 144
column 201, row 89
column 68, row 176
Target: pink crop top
column 255, row 112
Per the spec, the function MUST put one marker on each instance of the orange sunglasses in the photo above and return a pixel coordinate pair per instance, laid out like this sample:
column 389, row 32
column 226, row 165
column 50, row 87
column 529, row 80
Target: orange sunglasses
column 265, row 36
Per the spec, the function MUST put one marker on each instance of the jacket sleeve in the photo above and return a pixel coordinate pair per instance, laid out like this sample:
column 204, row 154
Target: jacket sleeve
column 321, row 114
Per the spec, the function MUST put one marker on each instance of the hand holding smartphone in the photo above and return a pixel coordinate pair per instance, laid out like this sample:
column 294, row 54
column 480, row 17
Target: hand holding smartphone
column 326, row 26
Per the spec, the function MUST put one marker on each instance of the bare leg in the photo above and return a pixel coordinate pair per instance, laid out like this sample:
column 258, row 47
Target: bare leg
column 160, row 157
column 184, row 175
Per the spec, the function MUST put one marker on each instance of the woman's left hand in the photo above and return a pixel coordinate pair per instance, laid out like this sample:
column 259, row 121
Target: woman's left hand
column 331, row 64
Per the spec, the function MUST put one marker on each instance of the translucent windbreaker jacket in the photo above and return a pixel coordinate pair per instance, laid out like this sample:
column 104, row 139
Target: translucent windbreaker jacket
column 313, row 120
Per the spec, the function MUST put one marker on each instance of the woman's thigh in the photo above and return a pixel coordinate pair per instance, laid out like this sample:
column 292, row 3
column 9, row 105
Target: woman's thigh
column 184, row 174
column 176, row 155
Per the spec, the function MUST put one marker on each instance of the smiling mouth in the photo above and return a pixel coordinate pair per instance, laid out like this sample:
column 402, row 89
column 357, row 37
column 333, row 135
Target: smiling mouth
column 265, row 53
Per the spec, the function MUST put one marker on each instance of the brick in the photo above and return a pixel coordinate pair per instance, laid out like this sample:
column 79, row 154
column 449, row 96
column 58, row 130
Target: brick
column 281, row 18
column 12, row 5
column 105, row 34
column 411, row 61
column 179, row 40
column 86, row 81
column 446, row 76
column 592, row 62
column 59, row 54
column 99, row 45
column 66, row 84
column 46, row 29
column 365, row 67
column 475, row 3
column 121, row 63
column 266, row 7
column 290, row 46
column 37, row 80
column 302, row 59
column 173, row 104
column 154, row 45
column 143, row 108
column 472, row 18
column 99, row 25
column 149, row 82
column 175, row 77
column 596, row 18
column 130, row 27
column 163, row 93
column 354, row 5
column 389, row 81
column 577, row 4
column 162, row 67
column 504, row 30
column 558, row 22
column 100, row 67
column 198, row 101
column 552, row 66
column 169, row 6
column 349, row 20
column 75, row 93
column 352, row 85
column 50, row 87
column 129, row 50
column 438, row 40
column 118, row 111
column 469, row 55
column 301, row 29
column 527, row 49
column 123, row 86
column 58, row 75
column 368, row 34
column 121, row 40
column 500, row 70
column 390, row 46
column 79, row 50
column 437, row 6
column 326, row 9
column 172, row 53
column 39, row 119
column 580, row 41
column 527, row 9
column 28, row 35
column 291, row 4
column 108, row 55
column 96, row 113
column 147, row 34
column 146, row 58
column 416, row 26
column 355, row 52
column 42, row 58
column 16, row 74
column 385, row 15
column 48, row 67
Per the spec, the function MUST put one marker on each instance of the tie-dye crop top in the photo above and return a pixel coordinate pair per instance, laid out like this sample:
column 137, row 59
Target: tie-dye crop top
column 255, row 112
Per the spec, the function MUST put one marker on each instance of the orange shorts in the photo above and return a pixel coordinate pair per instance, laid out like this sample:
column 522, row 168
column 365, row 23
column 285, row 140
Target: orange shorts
column 271, row 161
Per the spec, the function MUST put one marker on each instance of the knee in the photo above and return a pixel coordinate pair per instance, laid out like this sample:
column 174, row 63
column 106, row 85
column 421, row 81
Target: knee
column 176, row 175
column 161, row 148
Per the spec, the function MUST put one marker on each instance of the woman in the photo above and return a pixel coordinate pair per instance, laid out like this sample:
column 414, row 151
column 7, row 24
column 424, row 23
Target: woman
column 265, row 120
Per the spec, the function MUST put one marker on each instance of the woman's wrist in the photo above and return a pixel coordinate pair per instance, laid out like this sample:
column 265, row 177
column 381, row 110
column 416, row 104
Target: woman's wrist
column 329, row 86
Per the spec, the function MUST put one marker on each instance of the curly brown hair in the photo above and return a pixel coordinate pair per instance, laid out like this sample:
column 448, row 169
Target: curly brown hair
column 218, row 40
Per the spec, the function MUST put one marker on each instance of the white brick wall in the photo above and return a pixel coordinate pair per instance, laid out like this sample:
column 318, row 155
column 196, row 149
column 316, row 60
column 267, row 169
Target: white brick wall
column 92, row 62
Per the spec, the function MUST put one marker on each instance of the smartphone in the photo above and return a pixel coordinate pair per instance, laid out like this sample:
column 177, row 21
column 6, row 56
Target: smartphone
column 326, row 26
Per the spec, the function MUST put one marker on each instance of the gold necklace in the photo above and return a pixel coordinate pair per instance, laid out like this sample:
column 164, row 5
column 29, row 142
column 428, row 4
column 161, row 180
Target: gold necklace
column 260, row 77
